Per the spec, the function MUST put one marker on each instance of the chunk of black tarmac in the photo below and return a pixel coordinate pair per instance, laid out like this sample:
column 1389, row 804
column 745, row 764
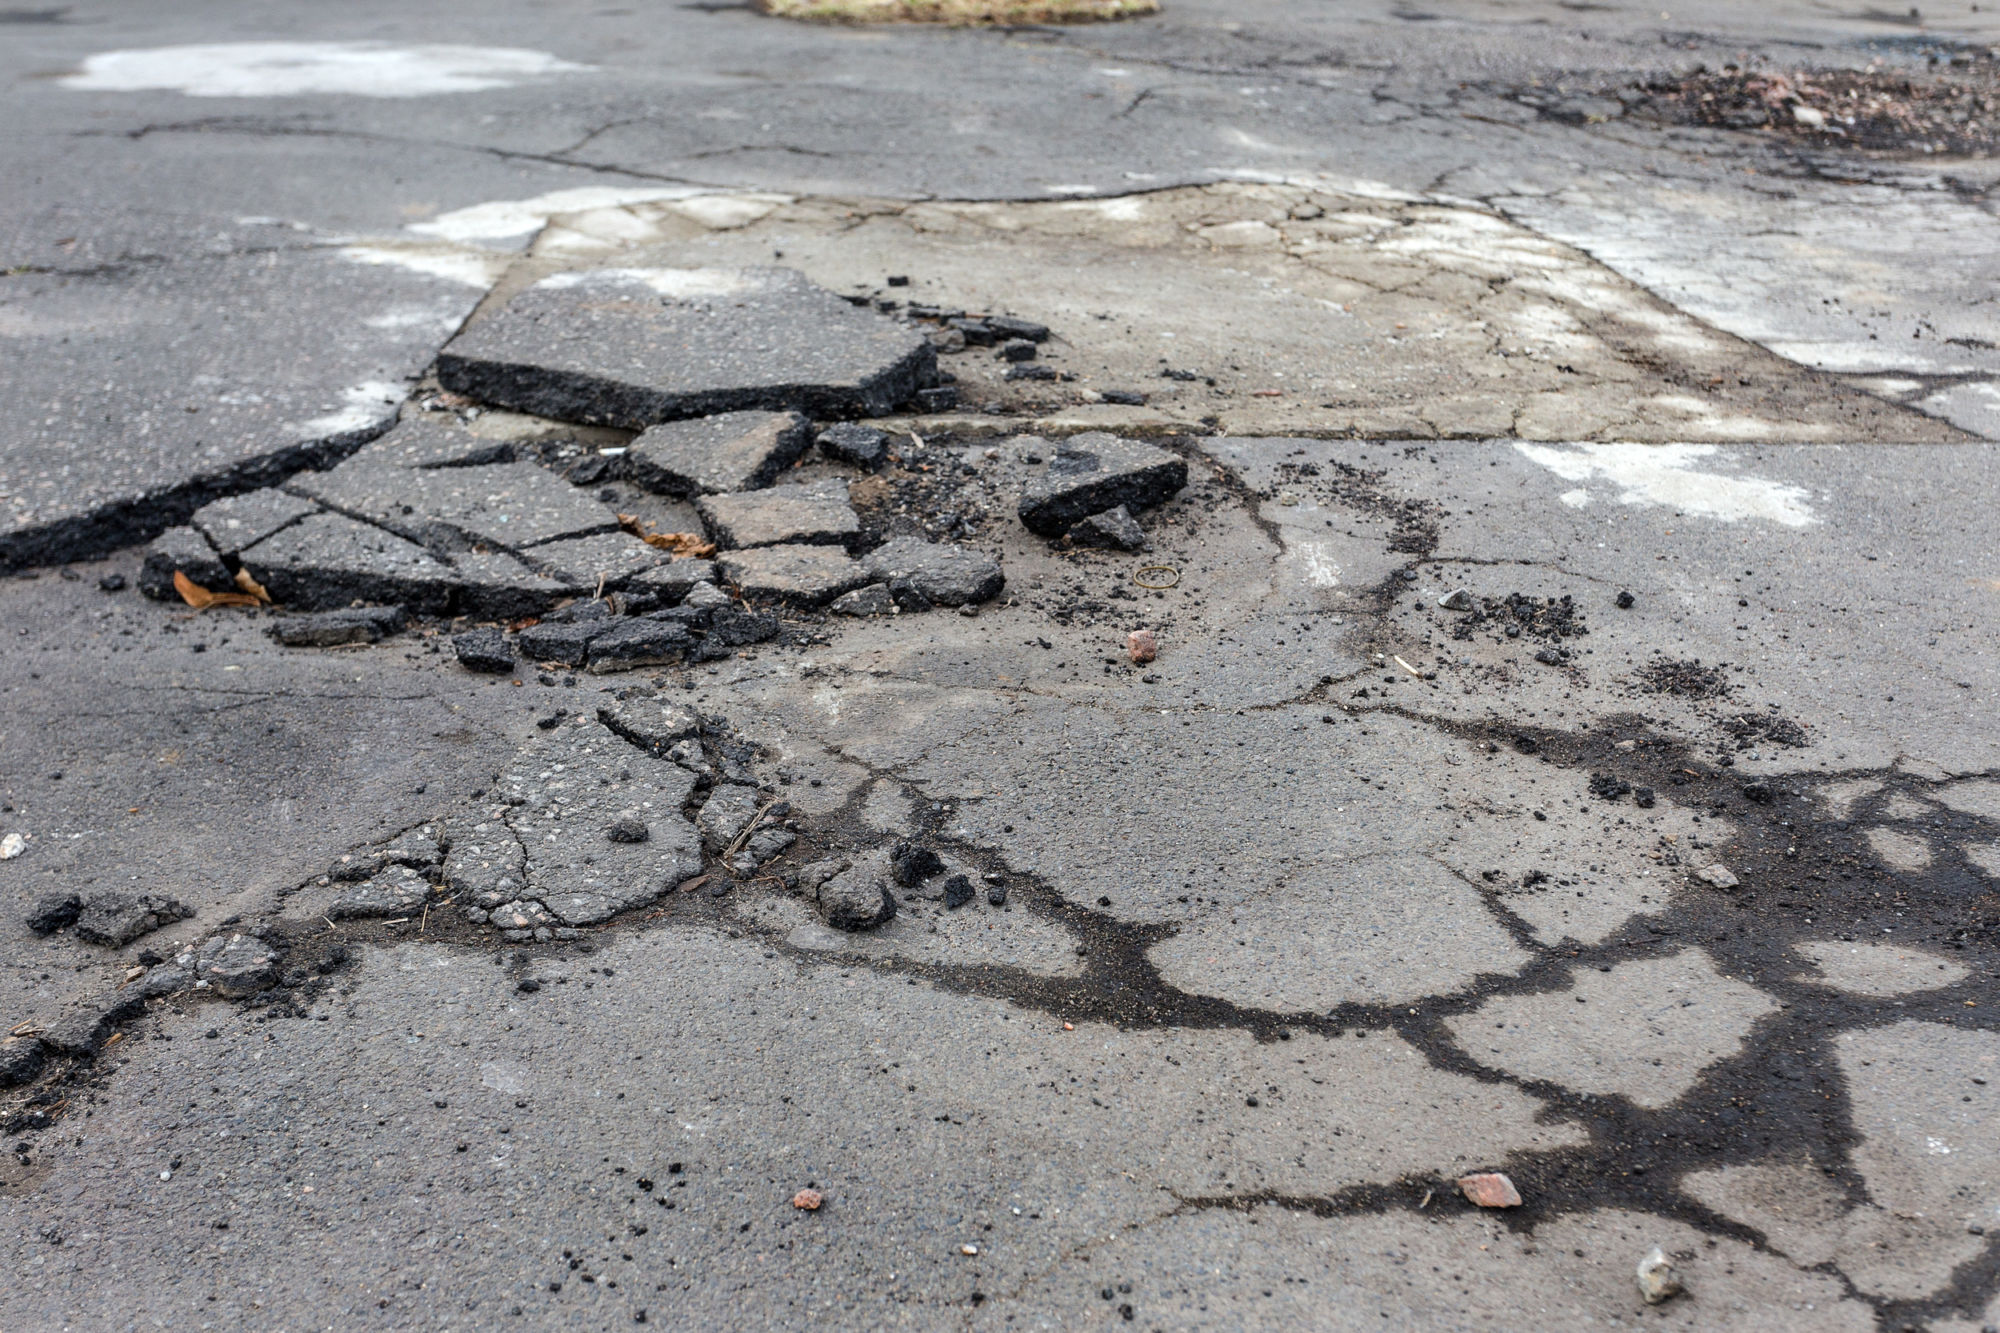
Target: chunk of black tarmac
column 804, row 575
column 327, row 629
column 941, row 574
column 873, row 600
column 1094, row 472
column 816, row 513
column 483, row 650
column 856, row 899
column 635, row 347
column 52, row 912
column 913, row 863
column 21, row 1059
column 734, row 451
column 957, row 892
column 112, row 918
column 1114, row 530
column 852, row 443
column 640, row 642
column 669, row 583
column 564, row 643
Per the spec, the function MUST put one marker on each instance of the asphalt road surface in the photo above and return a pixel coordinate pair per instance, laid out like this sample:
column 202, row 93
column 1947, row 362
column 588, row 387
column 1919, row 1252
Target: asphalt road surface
column 1569, row 751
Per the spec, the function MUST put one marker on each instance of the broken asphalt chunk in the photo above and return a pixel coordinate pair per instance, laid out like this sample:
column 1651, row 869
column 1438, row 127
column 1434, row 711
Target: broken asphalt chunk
column 510, row 506
column 945, row 575
column 1115, row 529
column 186, row 551
column 851, row 442
column 80, row 1031
column 52, row 912
column 483, row 650
column 239, row 966
column 237, row 521
column 637, row 643
column 808, row 575
column 568, row 644
column 1093, row 472
column 873, row 600
column 736, row 451
column 856, row 899
column 21, row 1059
column 327, row 561
column 817, row 513
column 634, row 347
column 113, row 919
column 325, row 629
column 913, row 863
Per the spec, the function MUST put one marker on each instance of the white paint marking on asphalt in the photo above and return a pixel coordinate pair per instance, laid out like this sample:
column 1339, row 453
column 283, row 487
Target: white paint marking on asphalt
column 503, row 1076
column 1666, row 475
column 470, row 268
column 366, row 404
column 680, row 283
column 1575, row 499
column 293, row 69
column 505, row 219
column 1320, row 569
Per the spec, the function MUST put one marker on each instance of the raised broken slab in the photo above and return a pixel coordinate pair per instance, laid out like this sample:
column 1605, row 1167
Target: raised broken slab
column 186, row 551
column 564, row 643
column 483, row 650
column 808, row 575
column 635, row 347
column 852, row 442
column 432, row 441
column 816, row 513
column 607, row 559
column 512, row 506
column 649, row 721
column 325, row 629
column 326, row 561
column 237, row 521
column 329, row 560
column 112, row 918
column 944, row 575
column 640, row 642
column 735, row 451
column 670, row 583
column 1093, row 472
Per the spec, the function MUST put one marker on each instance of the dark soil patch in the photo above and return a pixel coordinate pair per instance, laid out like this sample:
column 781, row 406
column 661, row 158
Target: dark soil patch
column 1689, row 680
column 1955, row 109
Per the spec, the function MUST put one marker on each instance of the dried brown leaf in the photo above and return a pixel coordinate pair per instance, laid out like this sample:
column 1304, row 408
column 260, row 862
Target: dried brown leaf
column 682, row 545
column 201, row 599
column 251, row 586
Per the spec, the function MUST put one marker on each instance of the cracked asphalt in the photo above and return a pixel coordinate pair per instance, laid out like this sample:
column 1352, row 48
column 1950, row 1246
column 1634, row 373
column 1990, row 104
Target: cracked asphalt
column 1569, row 752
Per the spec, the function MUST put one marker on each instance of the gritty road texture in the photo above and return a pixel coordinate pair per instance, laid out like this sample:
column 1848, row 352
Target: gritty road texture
column 672, row 667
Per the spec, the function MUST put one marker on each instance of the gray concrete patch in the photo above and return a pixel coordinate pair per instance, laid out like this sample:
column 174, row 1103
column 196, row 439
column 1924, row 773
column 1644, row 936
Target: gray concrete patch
column 1377, row 931
column 1925, row 1106
column 635, row 347
column 1879, row 969
column 1264, row 1267
column 1642, row 1030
